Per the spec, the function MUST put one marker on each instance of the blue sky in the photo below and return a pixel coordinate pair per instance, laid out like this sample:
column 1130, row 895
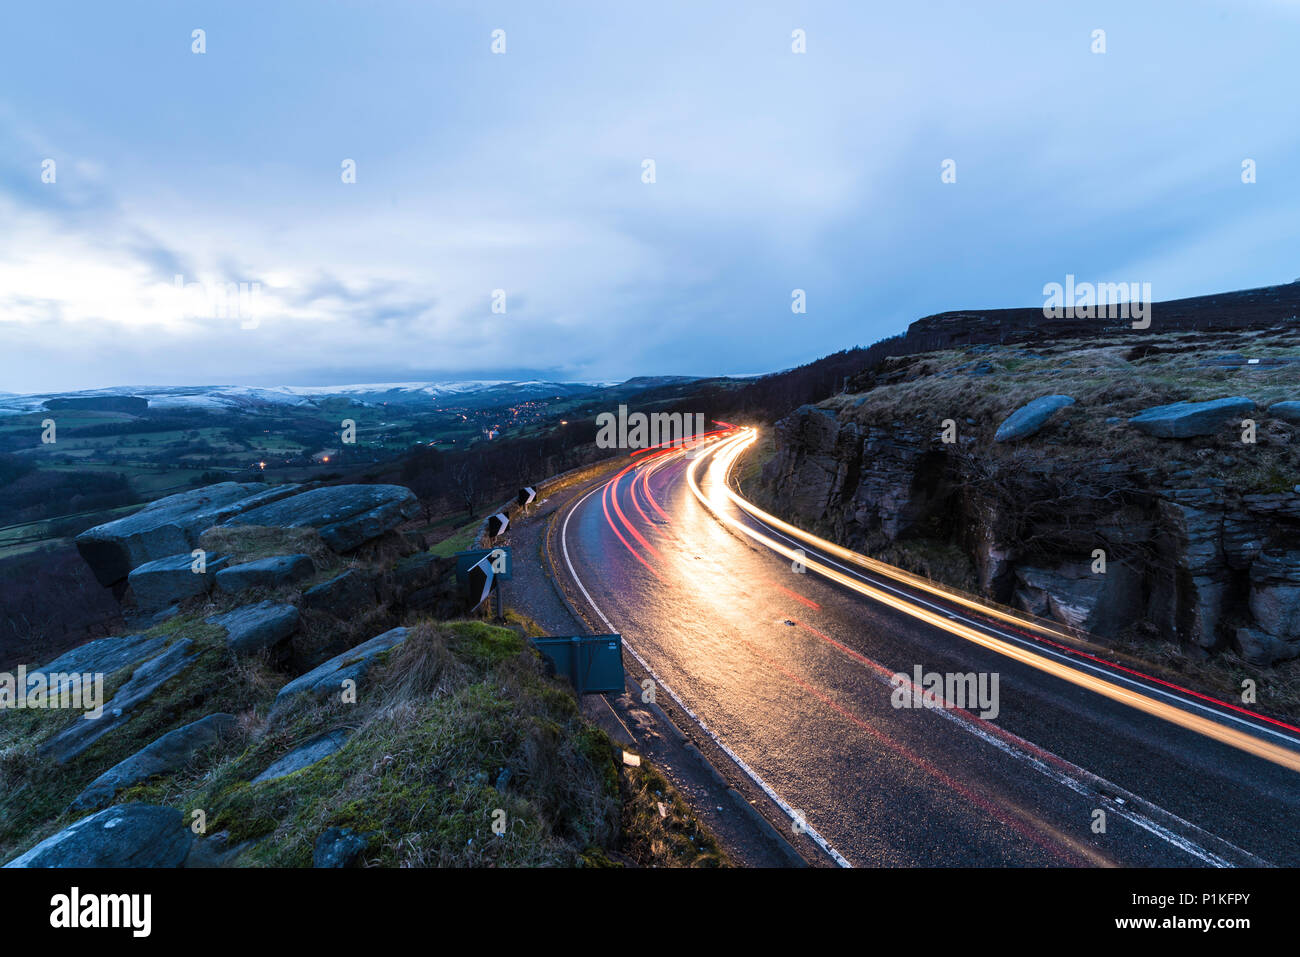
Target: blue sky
column 523, row 172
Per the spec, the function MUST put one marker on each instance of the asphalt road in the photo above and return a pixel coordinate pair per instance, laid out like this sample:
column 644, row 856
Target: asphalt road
column 1073, row 763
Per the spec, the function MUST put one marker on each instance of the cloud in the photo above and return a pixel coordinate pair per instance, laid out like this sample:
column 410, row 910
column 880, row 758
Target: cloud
column 522, row 173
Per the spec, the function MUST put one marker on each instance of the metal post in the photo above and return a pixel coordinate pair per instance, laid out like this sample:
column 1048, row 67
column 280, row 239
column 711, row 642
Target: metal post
column 575, row 664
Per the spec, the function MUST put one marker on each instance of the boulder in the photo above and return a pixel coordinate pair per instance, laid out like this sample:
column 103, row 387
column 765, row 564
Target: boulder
column 1290, row 411
column 1031, row 417
column 342, row 596
column 165, row 581
column 168, row 753
column 250, row 628
column 1181, row 420
column 328, row 678
column 144, row 681
column 105, row 655
column 338, row 847
column 317, row 749
column 125, row 835
column 265, row 573
column 168, row 526
column 346, row 516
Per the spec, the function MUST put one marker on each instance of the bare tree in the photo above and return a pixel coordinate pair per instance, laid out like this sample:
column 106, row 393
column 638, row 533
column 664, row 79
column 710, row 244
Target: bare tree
column 465, row 477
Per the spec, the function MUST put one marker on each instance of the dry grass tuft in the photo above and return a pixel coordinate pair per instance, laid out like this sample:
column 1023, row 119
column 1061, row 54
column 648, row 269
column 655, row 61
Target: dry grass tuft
column 247, row 543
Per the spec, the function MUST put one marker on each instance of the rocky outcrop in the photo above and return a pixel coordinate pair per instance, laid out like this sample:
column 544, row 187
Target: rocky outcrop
column 125, row 835
column 347, row 516
column 254, row 628
column 1184, row 420
column 168, row 526
column 164, row 755
column 1205, row 565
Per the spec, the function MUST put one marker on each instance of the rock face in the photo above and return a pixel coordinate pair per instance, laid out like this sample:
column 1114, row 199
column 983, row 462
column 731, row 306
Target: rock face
column 317, row 749
column 1031, row 417
column 345, row 515
column 165, row 581
column 165, row 754
column 1183, row 420
column 1275, row 606
column 1204, row 566
column 168, row 526
column 252, row 628
column 328, row 678
column 125, row 835
column 265, row 573
column 144, row 681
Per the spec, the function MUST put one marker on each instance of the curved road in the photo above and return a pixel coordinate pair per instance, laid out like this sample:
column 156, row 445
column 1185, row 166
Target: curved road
column 785, row 648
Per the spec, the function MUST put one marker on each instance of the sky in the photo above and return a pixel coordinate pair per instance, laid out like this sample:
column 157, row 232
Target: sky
column 515, row 180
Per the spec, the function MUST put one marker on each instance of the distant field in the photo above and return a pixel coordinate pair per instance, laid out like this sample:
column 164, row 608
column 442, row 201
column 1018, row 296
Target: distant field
column 164, row 451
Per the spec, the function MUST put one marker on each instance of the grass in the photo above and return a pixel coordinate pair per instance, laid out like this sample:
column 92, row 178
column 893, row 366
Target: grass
column 461, row 752
column 460, row 540
column 34, row 792
column 247, row 543
column 659, row 827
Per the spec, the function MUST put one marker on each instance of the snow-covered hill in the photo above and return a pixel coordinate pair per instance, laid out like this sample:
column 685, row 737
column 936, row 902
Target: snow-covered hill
column 474, row 392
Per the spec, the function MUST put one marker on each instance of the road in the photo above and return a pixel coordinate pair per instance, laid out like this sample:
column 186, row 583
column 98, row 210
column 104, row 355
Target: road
column 787, row 660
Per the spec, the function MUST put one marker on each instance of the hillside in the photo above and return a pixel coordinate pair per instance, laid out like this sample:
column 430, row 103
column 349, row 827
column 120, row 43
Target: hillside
column 309, row 694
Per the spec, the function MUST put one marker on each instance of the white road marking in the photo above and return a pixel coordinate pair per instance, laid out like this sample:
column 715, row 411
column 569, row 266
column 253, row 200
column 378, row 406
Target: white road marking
column 794, row 816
